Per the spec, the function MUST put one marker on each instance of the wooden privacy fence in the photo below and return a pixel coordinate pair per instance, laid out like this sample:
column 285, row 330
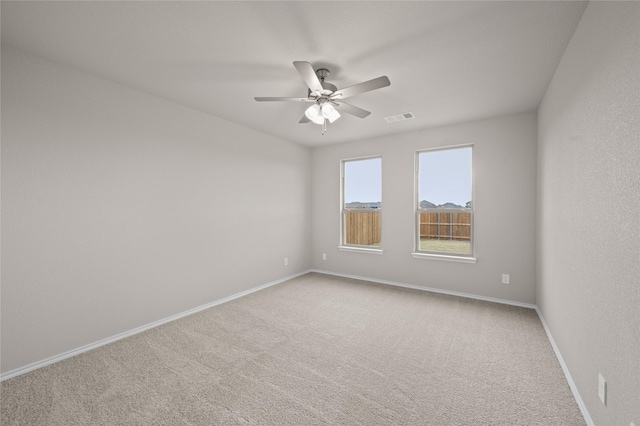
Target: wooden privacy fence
column 445, row 225
column 362, row 228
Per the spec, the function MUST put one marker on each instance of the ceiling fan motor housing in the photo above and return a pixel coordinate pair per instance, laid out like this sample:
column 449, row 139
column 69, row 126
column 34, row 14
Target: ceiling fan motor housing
column 322, row 73
column 328, row 87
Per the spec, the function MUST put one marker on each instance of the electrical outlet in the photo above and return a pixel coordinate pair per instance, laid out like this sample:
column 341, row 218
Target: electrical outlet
column 505, row 279
column 324, row 256
column 286, row 261
column 602, row 389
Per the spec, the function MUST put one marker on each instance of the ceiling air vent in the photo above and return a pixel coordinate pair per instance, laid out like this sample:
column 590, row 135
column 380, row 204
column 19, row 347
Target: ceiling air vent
column 399, row 117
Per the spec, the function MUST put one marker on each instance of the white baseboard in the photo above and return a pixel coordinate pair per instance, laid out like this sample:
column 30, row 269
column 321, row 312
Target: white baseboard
column 430, row 289
column 43, row 363
column 567, row 375
column 39, row 364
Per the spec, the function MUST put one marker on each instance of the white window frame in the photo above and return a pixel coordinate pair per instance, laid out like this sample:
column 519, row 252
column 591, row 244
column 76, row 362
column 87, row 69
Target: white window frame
column 343, row 246
column 433, row 255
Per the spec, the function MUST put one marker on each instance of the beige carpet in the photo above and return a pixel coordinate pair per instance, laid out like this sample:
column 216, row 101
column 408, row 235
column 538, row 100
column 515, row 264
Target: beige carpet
column 314, row 350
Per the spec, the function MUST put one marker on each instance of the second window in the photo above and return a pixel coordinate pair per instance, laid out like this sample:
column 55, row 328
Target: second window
column 444, row 211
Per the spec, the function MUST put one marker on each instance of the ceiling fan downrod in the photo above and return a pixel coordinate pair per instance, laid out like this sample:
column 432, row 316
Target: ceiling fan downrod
column 322, row 73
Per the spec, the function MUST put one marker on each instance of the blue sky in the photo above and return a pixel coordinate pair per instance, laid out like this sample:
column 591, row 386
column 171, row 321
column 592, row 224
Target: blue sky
column 363, row 180
column 445, row 176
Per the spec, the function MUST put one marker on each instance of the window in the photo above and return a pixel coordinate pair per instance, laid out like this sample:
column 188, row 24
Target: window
column 361, row 203
column 444, row 211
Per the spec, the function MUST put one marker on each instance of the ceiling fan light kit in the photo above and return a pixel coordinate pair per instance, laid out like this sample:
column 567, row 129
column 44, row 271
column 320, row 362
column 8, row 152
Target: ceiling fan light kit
column 326, row 98
column 319, row 112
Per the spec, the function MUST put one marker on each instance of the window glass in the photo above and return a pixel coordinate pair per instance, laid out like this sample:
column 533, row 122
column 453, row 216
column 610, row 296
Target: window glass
column 445, row 206
column 362, row 202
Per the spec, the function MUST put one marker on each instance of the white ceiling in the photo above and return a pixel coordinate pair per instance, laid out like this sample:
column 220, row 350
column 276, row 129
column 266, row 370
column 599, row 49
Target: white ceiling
column 448, row 62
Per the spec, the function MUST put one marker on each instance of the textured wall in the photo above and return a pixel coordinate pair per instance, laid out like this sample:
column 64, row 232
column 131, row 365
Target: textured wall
column 504, row 214
column 120, row 209
column 589, row 169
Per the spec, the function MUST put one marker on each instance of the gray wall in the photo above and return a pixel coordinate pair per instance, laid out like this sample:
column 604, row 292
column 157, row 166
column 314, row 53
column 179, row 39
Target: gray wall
column 505, row 188
column 589, row 209
column 120, row 209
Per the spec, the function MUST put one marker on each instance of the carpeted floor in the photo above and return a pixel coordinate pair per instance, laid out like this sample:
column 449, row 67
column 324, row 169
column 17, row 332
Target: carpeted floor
column 314, row 350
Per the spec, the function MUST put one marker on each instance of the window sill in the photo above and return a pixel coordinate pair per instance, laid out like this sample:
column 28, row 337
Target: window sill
column 360, row 249
column 444, row 257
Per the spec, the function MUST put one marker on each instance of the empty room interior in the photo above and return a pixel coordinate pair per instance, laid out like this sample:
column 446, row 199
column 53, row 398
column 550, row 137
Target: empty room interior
column 320, row 213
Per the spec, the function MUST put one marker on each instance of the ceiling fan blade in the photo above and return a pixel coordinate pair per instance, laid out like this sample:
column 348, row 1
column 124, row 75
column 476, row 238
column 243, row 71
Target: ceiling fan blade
column 304, row 119
column 263, row 99
column 350, row 109
column 367, row 86
column 308, row 75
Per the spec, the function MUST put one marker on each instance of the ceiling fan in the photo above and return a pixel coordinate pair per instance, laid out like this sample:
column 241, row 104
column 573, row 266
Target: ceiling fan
column 326, row 98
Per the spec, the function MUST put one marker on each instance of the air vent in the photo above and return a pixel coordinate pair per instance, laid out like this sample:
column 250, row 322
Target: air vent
column 399, row 117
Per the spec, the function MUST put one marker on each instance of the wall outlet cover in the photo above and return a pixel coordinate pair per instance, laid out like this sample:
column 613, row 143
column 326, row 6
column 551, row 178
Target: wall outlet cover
column 602, row 389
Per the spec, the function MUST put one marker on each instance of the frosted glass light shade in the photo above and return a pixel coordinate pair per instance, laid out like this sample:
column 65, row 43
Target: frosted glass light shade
column 314, row 113
column 329, row 112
